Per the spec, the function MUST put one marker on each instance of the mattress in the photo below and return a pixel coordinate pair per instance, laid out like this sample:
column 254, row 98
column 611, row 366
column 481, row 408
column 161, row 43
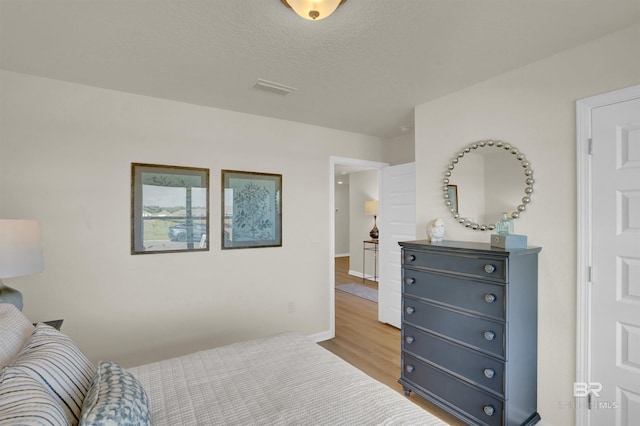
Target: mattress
column 284, row 379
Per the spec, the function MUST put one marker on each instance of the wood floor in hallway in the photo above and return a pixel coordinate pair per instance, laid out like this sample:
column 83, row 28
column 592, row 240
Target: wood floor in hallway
column 368, row 344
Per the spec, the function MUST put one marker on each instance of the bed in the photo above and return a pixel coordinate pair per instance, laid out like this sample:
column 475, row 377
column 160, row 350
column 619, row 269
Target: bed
column 285, row 379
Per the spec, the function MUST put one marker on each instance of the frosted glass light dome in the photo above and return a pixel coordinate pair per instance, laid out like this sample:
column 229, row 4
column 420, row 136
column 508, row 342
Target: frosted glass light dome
column 314, row 10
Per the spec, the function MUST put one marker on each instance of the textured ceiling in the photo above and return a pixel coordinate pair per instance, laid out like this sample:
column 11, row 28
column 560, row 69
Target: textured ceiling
column 362, row 69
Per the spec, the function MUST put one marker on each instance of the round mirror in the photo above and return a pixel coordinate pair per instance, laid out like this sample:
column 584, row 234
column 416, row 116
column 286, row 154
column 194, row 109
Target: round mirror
column 485, row 180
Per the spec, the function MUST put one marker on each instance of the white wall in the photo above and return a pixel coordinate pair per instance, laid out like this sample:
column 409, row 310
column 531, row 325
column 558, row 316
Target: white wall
column 363, row 186
column 65, row 157
column 533, row 108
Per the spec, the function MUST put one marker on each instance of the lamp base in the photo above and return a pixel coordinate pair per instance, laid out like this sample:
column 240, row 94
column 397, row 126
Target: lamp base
column 374, row 231
column 10, row 295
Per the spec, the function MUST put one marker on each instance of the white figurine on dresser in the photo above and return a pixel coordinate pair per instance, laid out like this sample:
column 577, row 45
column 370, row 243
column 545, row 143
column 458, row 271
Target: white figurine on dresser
column 435, row 230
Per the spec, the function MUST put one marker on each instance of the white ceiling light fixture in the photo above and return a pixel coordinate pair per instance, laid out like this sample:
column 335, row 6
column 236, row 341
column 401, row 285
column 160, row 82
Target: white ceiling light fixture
column 313, row 10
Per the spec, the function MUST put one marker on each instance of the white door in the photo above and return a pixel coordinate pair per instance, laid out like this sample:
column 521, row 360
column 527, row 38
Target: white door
column 397, row 223
column 615, row 248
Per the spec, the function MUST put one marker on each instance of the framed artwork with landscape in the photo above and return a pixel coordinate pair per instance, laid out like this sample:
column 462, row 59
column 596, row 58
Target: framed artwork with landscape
column 251, row 209
column 169, row 209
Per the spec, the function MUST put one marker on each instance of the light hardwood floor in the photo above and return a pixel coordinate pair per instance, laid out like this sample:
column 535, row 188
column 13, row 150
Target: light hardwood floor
column 368, row 344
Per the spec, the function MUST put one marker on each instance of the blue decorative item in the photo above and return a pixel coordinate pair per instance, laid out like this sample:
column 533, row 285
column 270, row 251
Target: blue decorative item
column 504, row 236
column 505, row 225
column 511, row 241
column 115, row 397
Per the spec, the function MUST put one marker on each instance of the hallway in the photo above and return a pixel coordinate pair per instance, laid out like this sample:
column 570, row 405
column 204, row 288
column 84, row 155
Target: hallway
column 365, row 342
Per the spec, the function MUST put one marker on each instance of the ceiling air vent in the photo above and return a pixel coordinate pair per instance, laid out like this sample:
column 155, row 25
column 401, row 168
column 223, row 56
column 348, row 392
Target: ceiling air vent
column 271, row 87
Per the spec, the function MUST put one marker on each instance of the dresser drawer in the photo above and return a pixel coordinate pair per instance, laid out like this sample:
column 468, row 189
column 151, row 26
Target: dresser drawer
column 477, row 296
column 476, row 368
column 483, row 267
column 482, row 334
column 480, row 406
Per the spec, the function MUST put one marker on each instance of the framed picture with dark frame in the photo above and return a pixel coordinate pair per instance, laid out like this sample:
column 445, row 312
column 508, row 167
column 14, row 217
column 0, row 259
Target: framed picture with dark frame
column 251, row 209
column 169, row 209
column 452, row 190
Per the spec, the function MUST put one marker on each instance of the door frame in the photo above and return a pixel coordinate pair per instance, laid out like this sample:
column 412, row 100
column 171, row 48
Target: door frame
column 584, row 108
column 333, row 161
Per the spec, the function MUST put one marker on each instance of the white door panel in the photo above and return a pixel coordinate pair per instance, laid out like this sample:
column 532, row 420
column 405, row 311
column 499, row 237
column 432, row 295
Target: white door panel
column 615, row 292
column 397, row 223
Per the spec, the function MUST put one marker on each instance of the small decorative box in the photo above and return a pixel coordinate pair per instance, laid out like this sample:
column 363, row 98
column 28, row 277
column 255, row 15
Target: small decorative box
column 510, row 241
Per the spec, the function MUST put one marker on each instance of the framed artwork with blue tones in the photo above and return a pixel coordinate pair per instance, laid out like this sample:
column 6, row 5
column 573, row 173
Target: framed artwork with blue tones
column 251, row 209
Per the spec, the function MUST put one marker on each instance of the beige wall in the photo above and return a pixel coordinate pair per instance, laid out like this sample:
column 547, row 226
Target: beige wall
column 400, row 150
column 533, row 108
column 65, row 157
column 342, row 216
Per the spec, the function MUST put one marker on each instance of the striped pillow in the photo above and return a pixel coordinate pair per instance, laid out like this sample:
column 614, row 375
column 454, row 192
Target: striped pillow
column 24, row 401
column 54, row 359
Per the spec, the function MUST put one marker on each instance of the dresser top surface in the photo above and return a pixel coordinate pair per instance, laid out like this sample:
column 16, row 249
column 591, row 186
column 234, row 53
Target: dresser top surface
column 447, row 245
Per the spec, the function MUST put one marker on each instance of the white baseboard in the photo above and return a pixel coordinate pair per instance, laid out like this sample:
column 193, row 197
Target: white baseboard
column 342, row 255
column 322, row 336
column 355, row 273
column 360, row 275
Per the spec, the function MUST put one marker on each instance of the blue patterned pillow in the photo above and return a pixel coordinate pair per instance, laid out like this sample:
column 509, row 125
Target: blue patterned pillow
column 25, row 401
column 54, row 359
column 116, row 397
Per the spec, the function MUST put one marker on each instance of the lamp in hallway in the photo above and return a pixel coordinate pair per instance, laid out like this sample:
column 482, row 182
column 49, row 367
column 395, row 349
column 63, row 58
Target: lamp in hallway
column 20, row 255
column 371, row 209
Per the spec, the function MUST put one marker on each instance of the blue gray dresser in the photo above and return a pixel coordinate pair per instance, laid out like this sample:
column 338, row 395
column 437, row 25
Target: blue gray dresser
column 469, row 329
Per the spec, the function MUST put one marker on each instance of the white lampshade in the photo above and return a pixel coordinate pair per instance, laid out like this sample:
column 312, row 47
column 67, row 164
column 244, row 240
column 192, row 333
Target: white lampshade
column 371, row 208
column 314, row 10
column 20, row 248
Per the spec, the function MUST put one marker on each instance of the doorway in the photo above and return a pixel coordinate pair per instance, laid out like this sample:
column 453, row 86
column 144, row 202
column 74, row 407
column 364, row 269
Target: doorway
column 347, row 165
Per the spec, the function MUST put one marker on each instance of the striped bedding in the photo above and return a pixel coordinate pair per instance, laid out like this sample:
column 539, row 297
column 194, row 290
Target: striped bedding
column 279, row 380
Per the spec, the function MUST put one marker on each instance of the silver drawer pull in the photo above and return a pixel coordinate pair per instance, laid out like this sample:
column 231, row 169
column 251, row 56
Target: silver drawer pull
column 409, row 339
column 410, row 258
column 409, row 368
column 489, row 268
column 410, row 280
column 488, row 410
column 489, row 373
column 489, row 298
column 489, row 335
column 409, row 310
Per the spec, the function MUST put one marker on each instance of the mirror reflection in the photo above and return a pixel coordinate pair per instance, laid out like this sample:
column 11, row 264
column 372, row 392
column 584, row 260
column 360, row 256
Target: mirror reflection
column 485, row 180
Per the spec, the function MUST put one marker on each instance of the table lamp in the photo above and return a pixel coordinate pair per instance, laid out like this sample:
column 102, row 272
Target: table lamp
column 20, row 254
column 371, row 208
